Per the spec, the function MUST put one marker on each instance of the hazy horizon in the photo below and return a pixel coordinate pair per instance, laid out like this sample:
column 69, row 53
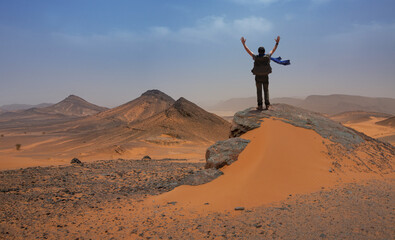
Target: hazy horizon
column 110, row 53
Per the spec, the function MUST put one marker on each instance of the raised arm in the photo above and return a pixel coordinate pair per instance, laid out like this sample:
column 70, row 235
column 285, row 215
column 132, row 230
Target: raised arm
column 275, row 46
column 243, row 41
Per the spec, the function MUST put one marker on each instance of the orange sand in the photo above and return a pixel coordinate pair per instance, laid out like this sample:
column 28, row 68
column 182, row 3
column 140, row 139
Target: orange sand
column 372, row 129
column 280, row 160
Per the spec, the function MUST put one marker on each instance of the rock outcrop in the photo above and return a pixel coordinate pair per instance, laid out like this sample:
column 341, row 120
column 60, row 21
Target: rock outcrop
column 250, row 118
column 75, row 161
column 348, row 149
column 146, row 158
column 224, row 152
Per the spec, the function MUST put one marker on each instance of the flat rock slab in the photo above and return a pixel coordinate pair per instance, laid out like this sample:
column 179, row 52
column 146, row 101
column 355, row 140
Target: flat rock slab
column 251, row 118
column 201, row 177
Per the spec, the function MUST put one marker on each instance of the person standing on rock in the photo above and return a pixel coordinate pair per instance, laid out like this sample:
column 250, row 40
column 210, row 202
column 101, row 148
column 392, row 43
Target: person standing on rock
column 261, row 70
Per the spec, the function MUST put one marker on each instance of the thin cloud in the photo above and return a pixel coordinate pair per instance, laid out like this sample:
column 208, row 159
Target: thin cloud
column 97, row 39
column 160, row 31
column 249, row 2
column 217, row 29
column 368, row 33
column 269, row 2
column 320, row 1
column 208, row 29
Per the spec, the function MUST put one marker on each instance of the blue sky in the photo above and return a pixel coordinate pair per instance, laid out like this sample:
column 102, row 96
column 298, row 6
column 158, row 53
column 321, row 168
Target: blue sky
column 109, row 52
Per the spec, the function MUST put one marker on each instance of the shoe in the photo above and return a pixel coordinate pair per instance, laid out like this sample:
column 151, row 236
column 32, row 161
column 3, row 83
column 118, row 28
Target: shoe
column 267, row 107
column 259, row 108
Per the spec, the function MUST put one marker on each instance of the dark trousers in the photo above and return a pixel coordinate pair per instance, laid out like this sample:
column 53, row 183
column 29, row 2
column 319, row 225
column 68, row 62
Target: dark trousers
column 262, row 81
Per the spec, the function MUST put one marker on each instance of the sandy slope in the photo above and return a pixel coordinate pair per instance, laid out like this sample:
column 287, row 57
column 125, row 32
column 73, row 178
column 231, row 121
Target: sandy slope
column 374, row 124
column 280, row 160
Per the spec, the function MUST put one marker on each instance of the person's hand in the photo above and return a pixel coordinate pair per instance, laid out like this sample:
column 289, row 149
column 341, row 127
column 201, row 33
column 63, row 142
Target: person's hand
column 243, row 40
column 277, row 39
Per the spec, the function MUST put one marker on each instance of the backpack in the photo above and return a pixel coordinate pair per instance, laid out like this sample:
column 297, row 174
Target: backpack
column 262, row 65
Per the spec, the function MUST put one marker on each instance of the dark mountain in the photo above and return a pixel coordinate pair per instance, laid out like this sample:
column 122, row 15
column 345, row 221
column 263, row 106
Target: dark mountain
column 145, row 106
column 184, row 121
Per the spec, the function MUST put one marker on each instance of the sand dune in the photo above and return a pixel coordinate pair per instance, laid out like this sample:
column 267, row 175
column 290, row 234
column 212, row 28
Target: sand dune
column 280, row 160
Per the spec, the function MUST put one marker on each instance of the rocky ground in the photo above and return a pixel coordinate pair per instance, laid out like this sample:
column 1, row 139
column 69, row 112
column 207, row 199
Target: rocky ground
column 352, row 211
column 33, row 196
column 108, row 200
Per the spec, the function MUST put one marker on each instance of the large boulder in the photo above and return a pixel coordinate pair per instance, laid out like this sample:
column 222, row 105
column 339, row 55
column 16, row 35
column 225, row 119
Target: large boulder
column 224, row 152
column 75, row 161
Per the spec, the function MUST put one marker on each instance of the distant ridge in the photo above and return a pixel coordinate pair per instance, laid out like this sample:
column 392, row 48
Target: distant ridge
column 17, row 107
column 327, row 104
column 74, row 106
column 337, row 103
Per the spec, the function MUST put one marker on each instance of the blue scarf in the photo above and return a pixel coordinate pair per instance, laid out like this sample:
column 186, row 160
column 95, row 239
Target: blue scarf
column 278, row 60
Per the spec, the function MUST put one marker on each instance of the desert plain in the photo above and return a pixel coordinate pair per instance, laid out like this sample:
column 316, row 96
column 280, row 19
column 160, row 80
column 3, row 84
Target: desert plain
column 146, row 172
